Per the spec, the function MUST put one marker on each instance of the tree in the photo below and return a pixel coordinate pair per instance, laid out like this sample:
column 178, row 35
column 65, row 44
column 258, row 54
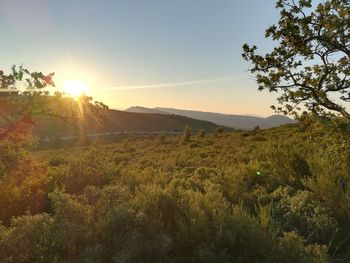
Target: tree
column 310, row 65
column 25, row 99
column 18, row 105
column 220, row 130
column 187, row 134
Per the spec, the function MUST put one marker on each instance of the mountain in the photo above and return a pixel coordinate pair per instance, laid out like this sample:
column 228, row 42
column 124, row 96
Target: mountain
column 138, row 109
column 229, row 120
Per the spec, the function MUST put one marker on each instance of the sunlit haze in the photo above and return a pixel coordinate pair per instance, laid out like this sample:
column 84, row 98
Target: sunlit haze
column 74, row 87
column 180, row 54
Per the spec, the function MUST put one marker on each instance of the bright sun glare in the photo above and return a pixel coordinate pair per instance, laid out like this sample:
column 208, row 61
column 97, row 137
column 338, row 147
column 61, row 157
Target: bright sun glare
column 75, row 88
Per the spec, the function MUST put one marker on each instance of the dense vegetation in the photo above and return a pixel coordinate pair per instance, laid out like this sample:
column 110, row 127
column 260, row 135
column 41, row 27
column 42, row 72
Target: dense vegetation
column 278, row 195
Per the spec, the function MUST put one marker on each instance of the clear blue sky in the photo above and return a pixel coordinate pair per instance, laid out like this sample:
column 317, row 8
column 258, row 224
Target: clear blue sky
column 127, row 49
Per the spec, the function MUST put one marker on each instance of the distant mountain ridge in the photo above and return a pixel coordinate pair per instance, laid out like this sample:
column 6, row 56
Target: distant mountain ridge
column 138, row 109
column 244, row 122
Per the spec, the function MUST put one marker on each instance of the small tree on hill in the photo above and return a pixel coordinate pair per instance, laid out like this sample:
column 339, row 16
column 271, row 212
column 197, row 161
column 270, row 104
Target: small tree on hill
column 310, row 64
column 220, row 130
column 187, row 134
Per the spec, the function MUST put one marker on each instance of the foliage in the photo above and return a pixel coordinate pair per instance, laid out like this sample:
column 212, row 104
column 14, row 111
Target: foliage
column 310, row 63
column 201, row 133
column 187, row 134
column 263, row 196
column 220, row 130
column 25, row 99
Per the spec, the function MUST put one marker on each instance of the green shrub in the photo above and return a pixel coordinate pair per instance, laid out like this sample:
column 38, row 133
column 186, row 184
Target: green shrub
column 29, row 239
column 187, row 134
column 302, row 213
column 220, row 130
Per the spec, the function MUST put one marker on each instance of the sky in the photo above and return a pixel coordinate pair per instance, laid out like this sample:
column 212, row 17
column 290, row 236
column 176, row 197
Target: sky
column 169, row 53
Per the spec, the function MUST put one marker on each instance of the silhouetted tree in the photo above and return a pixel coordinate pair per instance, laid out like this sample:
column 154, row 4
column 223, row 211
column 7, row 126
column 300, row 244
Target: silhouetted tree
column 310, row 63
column 25, row 99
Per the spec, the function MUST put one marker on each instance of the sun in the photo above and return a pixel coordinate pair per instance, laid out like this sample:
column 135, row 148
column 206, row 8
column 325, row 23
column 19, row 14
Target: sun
column 75, row 88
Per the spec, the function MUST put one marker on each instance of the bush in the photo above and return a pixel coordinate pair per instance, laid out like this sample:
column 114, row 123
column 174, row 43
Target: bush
column 29, row 239
column 186, row 134
column 201, row 133
column 302, row 213
column 220, row 130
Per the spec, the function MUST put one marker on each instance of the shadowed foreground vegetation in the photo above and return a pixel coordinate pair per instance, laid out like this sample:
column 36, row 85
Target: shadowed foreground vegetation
column 278, row 195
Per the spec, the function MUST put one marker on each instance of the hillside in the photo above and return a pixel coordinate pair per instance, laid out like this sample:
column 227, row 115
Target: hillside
column 121, row 121
column 274, row 195
column 228, row 120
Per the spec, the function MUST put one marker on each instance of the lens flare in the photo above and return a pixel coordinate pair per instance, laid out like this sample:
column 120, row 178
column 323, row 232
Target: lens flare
column 75, row 88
